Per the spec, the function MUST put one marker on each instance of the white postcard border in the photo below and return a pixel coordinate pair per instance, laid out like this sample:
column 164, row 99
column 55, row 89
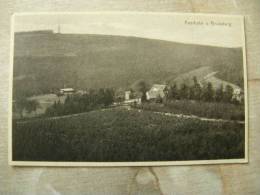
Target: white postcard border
column 123, row 164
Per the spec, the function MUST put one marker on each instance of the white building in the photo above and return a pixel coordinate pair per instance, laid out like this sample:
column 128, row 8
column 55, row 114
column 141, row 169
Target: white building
column 67, row 91
column 238, row 94
column 127, row 95
column 157, row 91
column 130, row 100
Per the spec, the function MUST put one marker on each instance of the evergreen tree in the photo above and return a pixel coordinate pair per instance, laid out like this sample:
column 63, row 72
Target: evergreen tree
column 208, row 92
column 32, row 105
column 196, row 89
column 219, row 94
column 228, row 94
column 191, row 93
column 184, row 91
column 108, row 97
column 20, row 105
column 173, row 92
column 142, row 87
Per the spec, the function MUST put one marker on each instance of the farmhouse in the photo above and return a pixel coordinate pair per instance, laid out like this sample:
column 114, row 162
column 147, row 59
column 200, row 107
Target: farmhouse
column 67, row 91
column 157, row 91
column 238, row 94
column 131, row 98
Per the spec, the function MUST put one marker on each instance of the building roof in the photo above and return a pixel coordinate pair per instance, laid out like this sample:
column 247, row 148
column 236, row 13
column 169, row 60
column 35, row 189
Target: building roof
column 156, row 91
column 67, row 89
column 157, row 87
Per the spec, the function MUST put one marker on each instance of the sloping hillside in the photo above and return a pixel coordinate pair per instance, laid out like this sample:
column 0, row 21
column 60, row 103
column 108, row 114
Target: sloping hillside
column 45, row 61
column 203, row 76
column 111, row 135
column 188, row 77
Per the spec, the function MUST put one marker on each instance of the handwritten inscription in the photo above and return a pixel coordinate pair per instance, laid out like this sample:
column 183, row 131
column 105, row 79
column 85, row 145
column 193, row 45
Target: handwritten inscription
column 207, row 23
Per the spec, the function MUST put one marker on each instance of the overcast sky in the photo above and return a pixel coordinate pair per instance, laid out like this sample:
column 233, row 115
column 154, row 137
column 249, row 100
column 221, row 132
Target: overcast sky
column 209, row 30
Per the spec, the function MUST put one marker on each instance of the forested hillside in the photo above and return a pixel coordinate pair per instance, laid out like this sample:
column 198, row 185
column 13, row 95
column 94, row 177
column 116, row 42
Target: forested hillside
column 45, row 61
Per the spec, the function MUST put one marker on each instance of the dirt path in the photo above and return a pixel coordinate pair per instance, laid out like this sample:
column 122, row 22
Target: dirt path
column 189, row 116
column 197, row 117
column 127, row 107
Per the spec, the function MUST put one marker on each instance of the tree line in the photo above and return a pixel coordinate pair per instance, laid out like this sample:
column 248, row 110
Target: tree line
column 23, row 104
column 78, row 103
column 201, row 93
column 98, row 98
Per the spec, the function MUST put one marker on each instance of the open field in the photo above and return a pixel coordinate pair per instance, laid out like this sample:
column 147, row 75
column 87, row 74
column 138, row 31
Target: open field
column 126, row 135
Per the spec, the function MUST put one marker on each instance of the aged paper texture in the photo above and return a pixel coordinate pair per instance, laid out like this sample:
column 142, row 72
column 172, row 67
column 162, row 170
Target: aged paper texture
column 127, row 89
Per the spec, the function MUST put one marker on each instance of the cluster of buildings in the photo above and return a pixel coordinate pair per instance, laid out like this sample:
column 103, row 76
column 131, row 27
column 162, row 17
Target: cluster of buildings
column 156, row 91
column 160, row 90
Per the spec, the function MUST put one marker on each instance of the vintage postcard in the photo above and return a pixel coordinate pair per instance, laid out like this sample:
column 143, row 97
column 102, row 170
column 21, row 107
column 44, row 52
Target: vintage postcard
column 127, row 89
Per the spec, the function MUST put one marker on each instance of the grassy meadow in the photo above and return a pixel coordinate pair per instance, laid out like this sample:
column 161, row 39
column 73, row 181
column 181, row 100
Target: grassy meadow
column 119, row 134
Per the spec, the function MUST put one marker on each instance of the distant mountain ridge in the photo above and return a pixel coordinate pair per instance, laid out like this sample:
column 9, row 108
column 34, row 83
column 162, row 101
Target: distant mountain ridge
column 54, row 60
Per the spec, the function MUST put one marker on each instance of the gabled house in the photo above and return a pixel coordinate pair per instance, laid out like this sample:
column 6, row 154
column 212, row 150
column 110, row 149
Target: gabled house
column 157, row 91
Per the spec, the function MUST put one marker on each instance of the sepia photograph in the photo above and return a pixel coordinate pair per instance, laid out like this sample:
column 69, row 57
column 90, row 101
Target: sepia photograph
column 127, row 89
